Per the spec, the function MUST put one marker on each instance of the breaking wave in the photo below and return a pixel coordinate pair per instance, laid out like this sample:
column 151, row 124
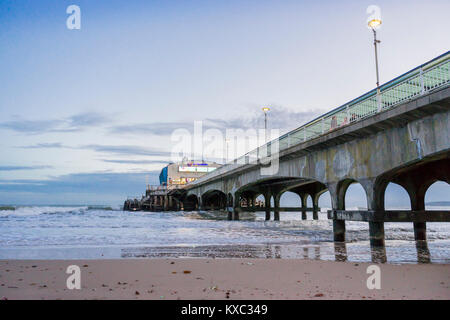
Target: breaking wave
column 7, row 211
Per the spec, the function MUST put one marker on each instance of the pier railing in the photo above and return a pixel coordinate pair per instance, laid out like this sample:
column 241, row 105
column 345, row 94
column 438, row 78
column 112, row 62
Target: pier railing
column 164, row 187
column 424, row 79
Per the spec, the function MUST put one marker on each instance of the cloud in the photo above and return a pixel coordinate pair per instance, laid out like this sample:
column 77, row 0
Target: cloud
column 135, row 161
column 127, row 150
column 30, row 127
column 17, row 168
column 109, row 149
column 88, row 119
column 73, row 123
column 54, row 145
column 156, row 128
column 279, row 118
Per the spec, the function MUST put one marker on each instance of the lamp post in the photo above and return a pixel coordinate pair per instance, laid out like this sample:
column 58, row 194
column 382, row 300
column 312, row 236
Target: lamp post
column 265, row 110
column 375, row 24
column 226, row 147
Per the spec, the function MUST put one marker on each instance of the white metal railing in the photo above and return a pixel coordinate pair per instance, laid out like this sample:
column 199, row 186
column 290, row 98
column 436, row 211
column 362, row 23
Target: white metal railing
column 163, row 187
column 419, row 81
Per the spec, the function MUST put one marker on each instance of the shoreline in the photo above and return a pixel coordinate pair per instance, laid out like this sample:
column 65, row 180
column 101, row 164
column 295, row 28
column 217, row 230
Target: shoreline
column 224, row 278
column 396, row 252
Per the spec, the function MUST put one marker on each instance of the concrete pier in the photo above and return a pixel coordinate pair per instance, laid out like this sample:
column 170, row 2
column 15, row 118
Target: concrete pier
column 379, row 138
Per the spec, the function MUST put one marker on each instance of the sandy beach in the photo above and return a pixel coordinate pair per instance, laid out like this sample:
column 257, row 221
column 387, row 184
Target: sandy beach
column 220, row 279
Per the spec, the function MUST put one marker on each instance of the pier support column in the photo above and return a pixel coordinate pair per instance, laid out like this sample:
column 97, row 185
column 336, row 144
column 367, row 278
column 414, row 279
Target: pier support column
column 339, row 230
column 235, row 215
column 375, row 201
column 276, row 215
column 267, row 196
column 418, row 203
column 337, row 202
column 316, row 207
column 376, row 233
column 304, row 198
column 166, row 203
column 200, row 203
column 236, row 207
column 420, row 231
column 170, row 203
column 230, row 205
column 376, row 229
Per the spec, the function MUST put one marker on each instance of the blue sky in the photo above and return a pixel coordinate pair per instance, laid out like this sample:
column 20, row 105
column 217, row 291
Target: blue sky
column 86, row 115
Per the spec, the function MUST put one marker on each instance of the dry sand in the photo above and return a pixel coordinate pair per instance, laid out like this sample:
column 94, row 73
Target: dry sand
column 219, row 279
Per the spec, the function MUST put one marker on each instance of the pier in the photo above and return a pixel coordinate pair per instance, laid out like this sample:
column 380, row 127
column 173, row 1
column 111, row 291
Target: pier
column 156, row 198
column 399, row 133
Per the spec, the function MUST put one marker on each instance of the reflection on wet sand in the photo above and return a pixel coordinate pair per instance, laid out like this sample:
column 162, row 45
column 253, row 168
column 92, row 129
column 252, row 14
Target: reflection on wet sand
column 326, row 251
column 340, row 251
column 423, row 254
column 267, row 251
column 378, row 254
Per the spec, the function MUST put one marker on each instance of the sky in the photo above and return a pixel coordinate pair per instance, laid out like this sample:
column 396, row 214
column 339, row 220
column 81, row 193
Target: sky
column 86, row 116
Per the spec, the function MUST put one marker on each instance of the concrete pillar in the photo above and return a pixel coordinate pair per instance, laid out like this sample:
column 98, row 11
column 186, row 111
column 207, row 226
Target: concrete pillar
column 418, row 203
column 337, row 203
column 304, row 198
column 200, row 203
column 166, row 203
column 339, row 230
column 376, row 232
column 375, row 202
column 376, row 228
column 316, row 207
column 235, row 215
column 276, row 215
column 423, row 253
column 420, row 231
column 267, row 196
column 236, row 207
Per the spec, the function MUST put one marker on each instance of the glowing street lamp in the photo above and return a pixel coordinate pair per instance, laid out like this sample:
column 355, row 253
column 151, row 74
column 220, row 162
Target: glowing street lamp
column 375, row 24
column 265, row 110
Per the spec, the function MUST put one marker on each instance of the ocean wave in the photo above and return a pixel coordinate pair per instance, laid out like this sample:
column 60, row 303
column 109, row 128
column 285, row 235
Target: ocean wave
column 38, row 210
column 7, row 208
column 106, row 208
column 6, row 211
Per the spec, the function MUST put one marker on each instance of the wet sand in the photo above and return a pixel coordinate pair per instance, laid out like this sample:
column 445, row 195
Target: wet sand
column 220, row 279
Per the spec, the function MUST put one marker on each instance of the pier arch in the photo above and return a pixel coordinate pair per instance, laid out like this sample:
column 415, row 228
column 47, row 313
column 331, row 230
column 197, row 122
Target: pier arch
column 396, row 197
column 191, row 203
column 214, row 200
column 439, row 191
column 290, row 199
column 324, row 199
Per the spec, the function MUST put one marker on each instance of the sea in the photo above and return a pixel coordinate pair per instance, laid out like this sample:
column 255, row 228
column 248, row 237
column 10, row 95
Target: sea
column 104, row 232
